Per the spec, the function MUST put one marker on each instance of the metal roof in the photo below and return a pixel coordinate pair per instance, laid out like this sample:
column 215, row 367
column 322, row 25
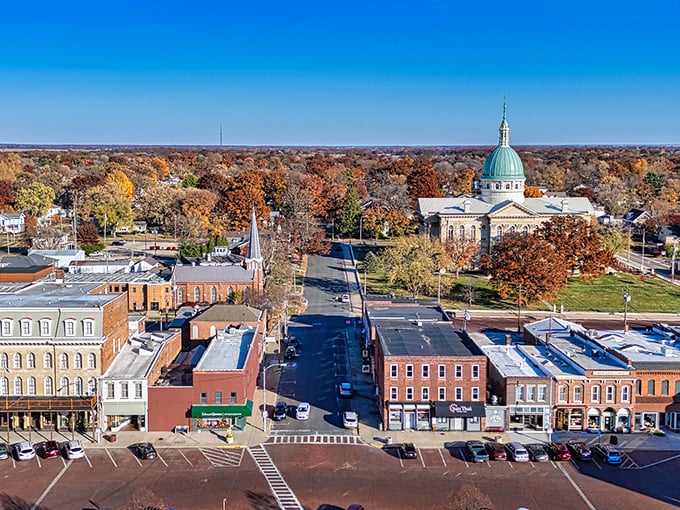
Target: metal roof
column 233, row 273
column 55, row 295
column 228, row 351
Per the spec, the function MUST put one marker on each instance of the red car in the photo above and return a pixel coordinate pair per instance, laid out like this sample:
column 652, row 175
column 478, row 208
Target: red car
column 50, row 449
column 496, row 451
column 558, row 451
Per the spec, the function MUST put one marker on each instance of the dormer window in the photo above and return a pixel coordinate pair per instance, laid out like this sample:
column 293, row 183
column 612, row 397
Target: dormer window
column 25, row 325
column 88, row 327
column 70, row 327
column 45, row 327
column 6, row 328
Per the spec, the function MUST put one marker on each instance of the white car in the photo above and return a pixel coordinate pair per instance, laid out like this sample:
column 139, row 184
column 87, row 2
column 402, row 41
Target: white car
column 350, row 420
column 517, row 452
column 74, row 450
column 24, row 451
column 345, row 298
column 302, row 411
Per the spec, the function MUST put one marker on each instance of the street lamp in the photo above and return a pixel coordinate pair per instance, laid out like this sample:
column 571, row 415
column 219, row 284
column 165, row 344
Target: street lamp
column 626, row 300
column 264, row 392
column 439, row 285
column 674, row 249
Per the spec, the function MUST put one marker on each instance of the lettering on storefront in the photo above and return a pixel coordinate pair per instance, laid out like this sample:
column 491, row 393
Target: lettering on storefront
column 456, row 409
column 611, row 372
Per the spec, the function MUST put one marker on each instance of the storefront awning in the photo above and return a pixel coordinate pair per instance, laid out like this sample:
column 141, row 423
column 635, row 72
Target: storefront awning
column 459, row 409
column 222, row 411
column 124, row 408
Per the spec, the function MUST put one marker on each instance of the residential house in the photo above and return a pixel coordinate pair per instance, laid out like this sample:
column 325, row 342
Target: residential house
column 12, row 223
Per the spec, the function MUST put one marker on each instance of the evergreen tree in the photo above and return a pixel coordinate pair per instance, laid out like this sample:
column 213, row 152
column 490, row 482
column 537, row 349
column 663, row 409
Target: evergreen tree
column 347, row 221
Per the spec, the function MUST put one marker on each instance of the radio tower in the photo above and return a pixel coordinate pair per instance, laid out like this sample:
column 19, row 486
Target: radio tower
column 220, row 135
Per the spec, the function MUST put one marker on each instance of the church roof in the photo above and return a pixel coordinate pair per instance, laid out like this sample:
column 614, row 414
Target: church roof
column 210, row 274
column 546, row 206
column 254, row 252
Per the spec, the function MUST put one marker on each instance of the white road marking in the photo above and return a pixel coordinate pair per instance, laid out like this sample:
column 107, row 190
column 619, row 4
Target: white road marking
column 442, row 456
column 137, row 459
column 49, row 487
column 88, row 460
column 38, row 459
column 578, row 489
column 109, row 454
column 162, row 459
column 63, row 460
column 420, row 456
column 185, row 458
column 655, row 463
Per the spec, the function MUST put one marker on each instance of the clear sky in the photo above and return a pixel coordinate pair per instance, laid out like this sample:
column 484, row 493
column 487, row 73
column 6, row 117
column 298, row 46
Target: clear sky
column 321, row 72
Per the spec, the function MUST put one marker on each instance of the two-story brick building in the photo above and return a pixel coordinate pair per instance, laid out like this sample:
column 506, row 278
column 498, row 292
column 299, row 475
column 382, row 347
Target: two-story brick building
column 428, row 375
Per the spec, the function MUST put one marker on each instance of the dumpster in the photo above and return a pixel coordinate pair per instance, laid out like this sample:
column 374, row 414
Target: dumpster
column 613, row 439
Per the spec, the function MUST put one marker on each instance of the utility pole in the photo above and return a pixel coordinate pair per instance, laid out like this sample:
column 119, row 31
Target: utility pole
column 642, row 258
column 519, row 308
column 674, row 248
column 626, row 300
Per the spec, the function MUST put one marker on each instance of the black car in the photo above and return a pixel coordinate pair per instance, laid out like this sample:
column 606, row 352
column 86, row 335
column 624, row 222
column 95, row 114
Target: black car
column 291, row 353
column 294, row 342
column 146, row 451
column 476, row 451
column 119, row 242
column 579, row 450
column 280, row 411
column 537, row 452
column 408, row 451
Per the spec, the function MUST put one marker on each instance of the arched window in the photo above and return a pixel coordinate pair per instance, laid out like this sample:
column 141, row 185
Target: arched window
column 197, row 294
column 449, row 232
column 498, row 185
column 499, row 232
column 638, row 387
column 230, row 294
column 30, row 360
column 180, row 295
column 30, row 385
column 525, row 230
column 473, row 232
column 49, row 386
column 507, row 185
column 213, row 294
column 78, row 360
column 512, row 229
column 92, row 386
column 4, row 386
column 63, row 361
column 194, row 332
column 79, row 385
column 70, row 327
column 650, row 387
column 47, row 360
column 461, row 232
column 4, row 360
column 17, row 360
column 18, row 386
column 483, row 233
column 64, row 386
column 91, row 361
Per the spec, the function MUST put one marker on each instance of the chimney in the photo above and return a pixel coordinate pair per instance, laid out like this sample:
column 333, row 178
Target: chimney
column 508, row 340
column 565, row 205
column 466, row 206
column 59, row 276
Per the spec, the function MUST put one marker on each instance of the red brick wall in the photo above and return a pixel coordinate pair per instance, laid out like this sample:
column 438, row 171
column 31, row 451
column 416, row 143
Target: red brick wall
column 659, row 402
column 115, row 329
column 169, row 406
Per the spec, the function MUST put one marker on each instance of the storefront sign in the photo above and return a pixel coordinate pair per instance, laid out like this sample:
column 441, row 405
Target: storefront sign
column 611, row 372
column 456, row 409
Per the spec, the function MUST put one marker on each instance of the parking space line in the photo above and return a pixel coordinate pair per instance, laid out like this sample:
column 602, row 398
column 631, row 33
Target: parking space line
column 88, row 460
column 595, row 462
column 162, row 459
column 442, row 456
column 137, row 459
column 185, row 458
column 578, row 489
column 532, row 465
column 555, row 465
column 38, row 459
column 49, row 488
column 462, row 456
column 510, row 464
column 63, row 460
column 420, row 455
column 109, row 454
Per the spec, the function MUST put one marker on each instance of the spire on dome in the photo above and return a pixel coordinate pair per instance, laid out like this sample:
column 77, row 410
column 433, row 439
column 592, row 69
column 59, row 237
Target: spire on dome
column 254, row 252
column 504, row 130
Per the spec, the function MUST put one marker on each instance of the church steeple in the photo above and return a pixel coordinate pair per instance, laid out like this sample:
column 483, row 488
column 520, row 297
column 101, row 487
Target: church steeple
column 254, row 252
column 504, row 130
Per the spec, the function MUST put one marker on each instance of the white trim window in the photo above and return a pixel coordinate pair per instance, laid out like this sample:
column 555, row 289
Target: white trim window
column 63, row 361
column 88, row 327
column 578, row 394
column 48, row 386
column 595, row 393
column 92, row 386
column 442, row 393
column 6, row 329
column 45, row 326
column 625, row 393
column 459, row 372
column 394, row 393
column 409, row 393
column 18, row 386
column 69, row 327
column 425, row 371
column 519, row 393
column 441, row 371
column 30, row 386
column 124, row 390
column 78, row 384
column 25, row 327
column 609, row 393
column 16, row 361
column 394, row 370
column 78, row 360
column 459, row 393
column 425, row 394
column 91, row 361
column 64, row 386
column 30, row 360
column 4, row 360
column 475, row 393
column 47, row 360
column 409, row 371
column 4, row 386
column 542, row 392
column 475, row 371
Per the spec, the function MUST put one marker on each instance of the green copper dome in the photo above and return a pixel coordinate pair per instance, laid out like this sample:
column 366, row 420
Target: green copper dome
column 503, row 163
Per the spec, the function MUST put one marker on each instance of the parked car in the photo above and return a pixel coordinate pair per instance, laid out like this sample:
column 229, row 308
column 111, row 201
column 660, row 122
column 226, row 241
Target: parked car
column 407, row 451
column 345, row 390
column 537, row 452
column 4, row 451
column 291, row 353
column 146, row 451
column 517, row 452
column 24, row 451
column 280, row 411
column 119, row 242
column 476, row 451
column 74, row 450
column 50, row 449
column 608, row 453
column 579, row 450
column 345, row 298
column 558, row 451
column 350, row 420
column 496, row 451
column 294, row 342
column 302, row 411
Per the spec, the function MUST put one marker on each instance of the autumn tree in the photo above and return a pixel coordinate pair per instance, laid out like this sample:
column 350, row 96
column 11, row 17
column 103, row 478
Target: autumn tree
column 87, row 234
column 462, row 184
column 578, row 241
column 422, row 181
column 108, row 205
column 381, row 222
column 613, row 239
column 532, row 192
column 119, row 179
column 160, row 205
column 36, row 199
column 7, row 197
column 244, row 192
column 199, row 204
column 411, row 263
column 459, row 253
column 526, row 265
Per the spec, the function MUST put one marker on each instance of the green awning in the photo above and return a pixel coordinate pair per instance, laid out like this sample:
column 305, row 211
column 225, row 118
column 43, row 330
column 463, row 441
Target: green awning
column 222, row 411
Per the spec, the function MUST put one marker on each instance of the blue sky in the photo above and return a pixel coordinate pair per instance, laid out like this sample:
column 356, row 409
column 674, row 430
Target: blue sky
column 426, row 72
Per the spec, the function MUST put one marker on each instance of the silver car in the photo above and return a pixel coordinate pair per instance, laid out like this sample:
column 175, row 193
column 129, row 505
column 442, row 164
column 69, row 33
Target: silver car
column 517, row 452
column 24, row 451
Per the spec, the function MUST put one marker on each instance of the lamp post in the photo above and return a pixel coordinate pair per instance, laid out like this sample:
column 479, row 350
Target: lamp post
column 626, row 300
column 674, row 249
column 264, row 392
column 439, row 285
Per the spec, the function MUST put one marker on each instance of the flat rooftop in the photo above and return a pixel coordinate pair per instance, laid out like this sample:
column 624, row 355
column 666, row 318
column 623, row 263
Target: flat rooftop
column 655, row 348
column 55, row 295
column 412, row 338
column 138, row 355
column 228, row 351
column 510, row 361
